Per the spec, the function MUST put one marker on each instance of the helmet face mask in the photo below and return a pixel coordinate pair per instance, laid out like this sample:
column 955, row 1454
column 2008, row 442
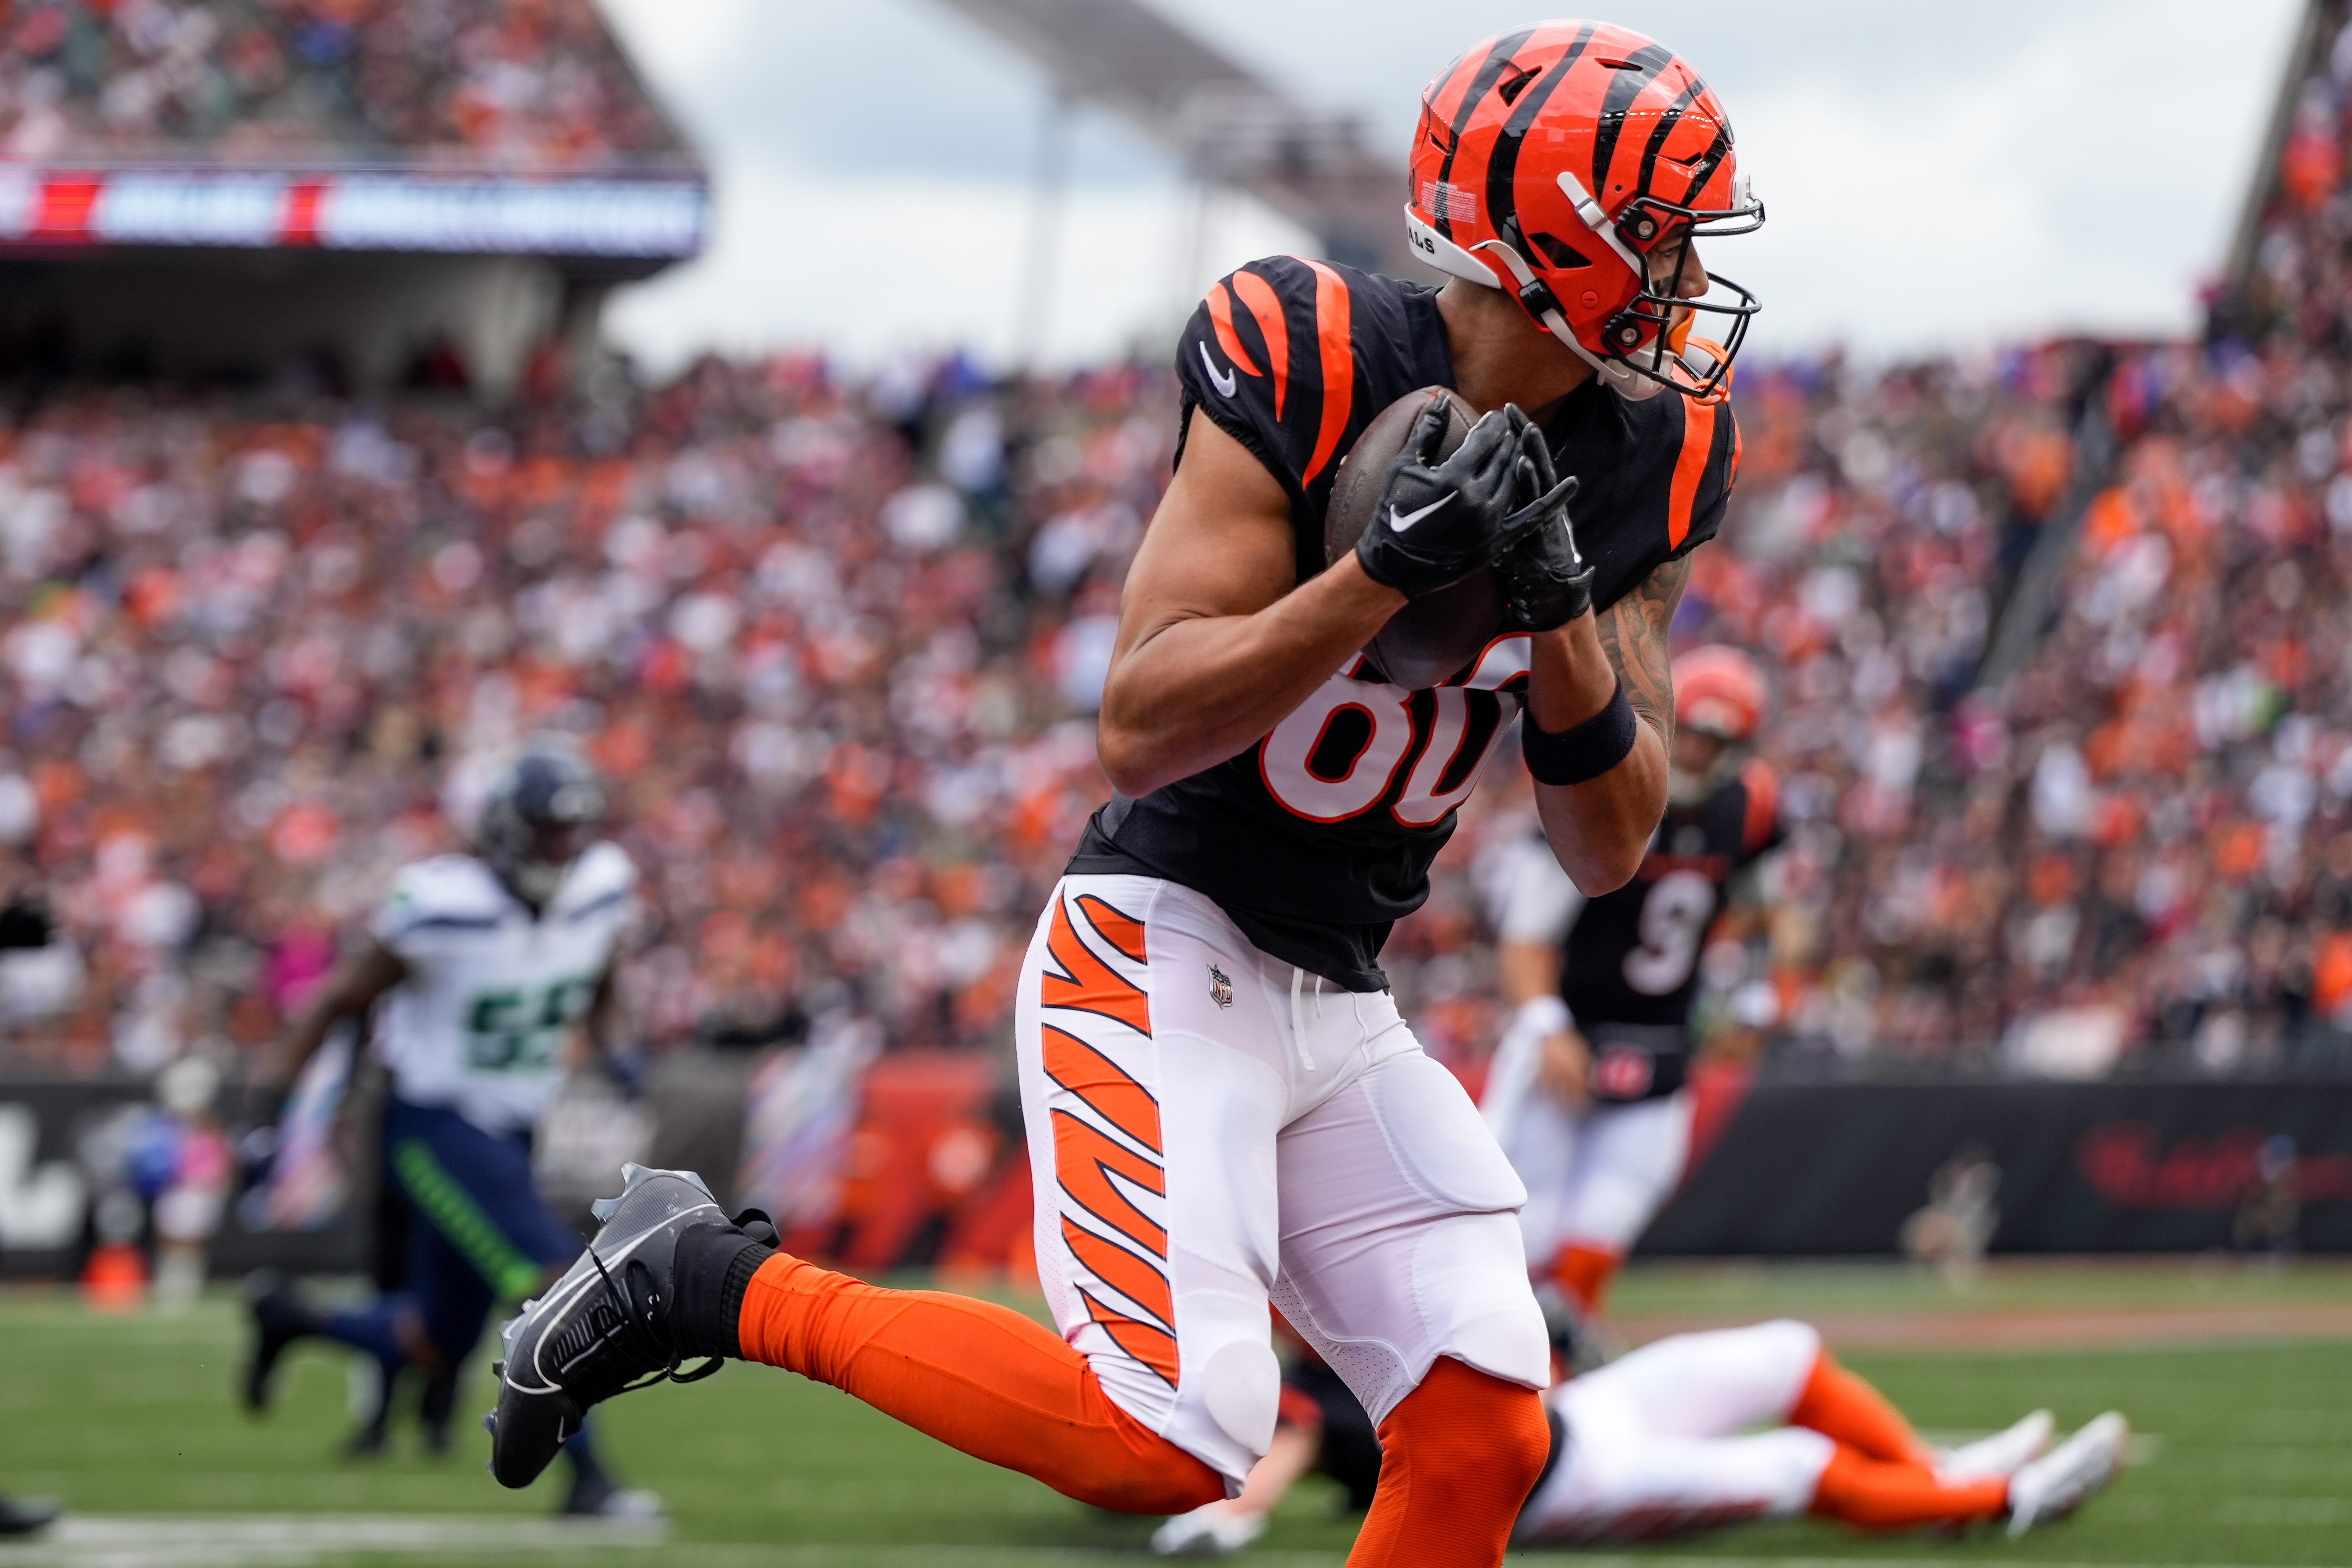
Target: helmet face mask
column 1574, row 164
column 544, row 810
column 1655, row 335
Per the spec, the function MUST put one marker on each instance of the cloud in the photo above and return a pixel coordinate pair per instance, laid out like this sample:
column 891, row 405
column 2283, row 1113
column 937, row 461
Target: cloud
column 1936, row 176
column 867, row 267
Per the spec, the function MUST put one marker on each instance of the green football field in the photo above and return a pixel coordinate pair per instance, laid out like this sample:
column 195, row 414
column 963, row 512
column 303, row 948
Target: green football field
column 2238, row 1381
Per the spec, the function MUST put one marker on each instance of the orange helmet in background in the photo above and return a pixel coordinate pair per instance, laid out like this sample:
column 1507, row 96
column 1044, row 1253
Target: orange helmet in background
column 1720, row 691
column 1557, row 163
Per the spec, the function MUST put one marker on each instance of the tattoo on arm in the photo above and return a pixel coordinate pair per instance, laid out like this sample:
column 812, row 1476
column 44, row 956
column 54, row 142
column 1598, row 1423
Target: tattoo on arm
column 1636, row 634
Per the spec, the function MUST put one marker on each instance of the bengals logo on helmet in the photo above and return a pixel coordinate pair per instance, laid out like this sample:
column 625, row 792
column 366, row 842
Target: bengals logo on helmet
column 1573, row 165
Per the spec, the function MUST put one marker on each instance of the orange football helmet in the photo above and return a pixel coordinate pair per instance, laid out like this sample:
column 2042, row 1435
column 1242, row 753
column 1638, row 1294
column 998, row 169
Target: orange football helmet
column 1566, row 163
column 1719, row 691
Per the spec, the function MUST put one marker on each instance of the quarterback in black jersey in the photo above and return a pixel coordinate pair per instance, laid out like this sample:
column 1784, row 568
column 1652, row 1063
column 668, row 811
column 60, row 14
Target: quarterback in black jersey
column 1587, row 1089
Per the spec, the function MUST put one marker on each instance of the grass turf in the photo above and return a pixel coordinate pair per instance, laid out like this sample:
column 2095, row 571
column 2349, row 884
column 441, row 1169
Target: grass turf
column 116, row 1414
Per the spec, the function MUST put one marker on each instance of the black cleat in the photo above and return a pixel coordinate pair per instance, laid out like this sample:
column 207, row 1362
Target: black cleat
column 593, row 1496
column 24, row 1515
column 279, row 1318
column 372, row 1435
column 603, row 1329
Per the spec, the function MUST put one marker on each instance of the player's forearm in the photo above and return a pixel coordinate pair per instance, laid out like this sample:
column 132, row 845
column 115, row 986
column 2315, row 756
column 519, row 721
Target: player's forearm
column 300, row 1043
column 1201, row 689
column 1601, row 828
column 1527, row 970
column 352, row 990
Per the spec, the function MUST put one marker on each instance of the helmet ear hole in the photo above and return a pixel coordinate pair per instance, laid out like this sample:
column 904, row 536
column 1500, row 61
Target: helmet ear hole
column 1558, row 251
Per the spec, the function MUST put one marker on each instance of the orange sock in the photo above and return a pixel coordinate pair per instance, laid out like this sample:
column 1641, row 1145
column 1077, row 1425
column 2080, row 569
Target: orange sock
column 977, row 1376
column 1457, row 1459
column 1848, row 1411
column 1584, row 1272
column 1876, row 1495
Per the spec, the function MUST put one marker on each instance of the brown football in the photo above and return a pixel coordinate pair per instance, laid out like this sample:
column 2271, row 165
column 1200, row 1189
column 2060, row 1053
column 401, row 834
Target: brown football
column 1433, row 637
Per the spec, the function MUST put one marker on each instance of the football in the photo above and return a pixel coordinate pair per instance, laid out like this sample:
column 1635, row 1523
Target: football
column 1433, row 637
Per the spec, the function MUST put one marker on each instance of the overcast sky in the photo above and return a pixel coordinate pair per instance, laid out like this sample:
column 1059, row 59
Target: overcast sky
column 1936, row 176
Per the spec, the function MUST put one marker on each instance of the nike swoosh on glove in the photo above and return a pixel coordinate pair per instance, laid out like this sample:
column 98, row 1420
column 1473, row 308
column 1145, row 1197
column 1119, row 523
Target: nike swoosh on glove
column 1546, row 582
column 1438, row 522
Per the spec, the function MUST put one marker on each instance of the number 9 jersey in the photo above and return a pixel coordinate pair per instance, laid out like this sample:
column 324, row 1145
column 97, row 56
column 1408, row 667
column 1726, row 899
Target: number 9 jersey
column 493, row 991
column 1632, row 956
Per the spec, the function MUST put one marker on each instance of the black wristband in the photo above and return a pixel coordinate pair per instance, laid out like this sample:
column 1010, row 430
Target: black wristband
column 1582, row 751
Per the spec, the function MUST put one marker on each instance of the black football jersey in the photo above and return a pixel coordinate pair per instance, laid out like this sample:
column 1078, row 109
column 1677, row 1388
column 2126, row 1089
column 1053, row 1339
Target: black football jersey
column 1318, row 838
column 1632, row 956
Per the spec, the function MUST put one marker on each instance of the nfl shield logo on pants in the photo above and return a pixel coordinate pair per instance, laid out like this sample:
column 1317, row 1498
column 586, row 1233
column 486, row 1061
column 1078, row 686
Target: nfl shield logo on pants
column 1221, row 989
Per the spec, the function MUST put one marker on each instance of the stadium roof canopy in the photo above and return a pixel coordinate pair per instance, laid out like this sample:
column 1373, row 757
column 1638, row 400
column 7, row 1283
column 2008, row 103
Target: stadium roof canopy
column 1227, row 123
column 483, row 127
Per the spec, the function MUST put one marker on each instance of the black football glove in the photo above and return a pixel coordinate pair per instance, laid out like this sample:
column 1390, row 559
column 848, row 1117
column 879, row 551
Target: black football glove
column 1439, row 521
column 1546, row 582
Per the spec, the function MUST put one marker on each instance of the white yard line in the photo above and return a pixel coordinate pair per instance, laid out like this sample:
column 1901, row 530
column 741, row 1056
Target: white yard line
column 302, row 1541
column 296, row 1541
column 753, row 1555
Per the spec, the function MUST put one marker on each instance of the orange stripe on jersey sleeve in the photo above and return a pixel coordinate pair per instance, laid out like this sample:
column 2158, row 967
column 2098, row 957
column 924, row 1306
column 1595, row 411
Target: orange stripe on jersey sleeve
column 1273, row 325
column 1221, row 313
column 1086, row 982
column 1763, row 804
column 1334, row 343
column 1155, row 1348
column 1123, row 1271
column 1698, row 443
column 1097, row 1079
column 1085, row 1159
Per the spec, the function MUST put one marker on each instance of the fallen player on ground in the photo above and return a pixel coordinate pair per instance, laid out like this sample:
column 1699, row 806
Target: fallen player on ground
column 1658, row 1443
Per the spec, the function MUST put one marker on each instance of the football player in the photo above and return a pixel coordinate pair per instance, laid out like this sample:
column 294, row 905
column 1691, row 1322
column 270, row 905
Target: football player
column 1661, row 1442
column 486, row 965
column 1587, row 1091
column 1224, row 1108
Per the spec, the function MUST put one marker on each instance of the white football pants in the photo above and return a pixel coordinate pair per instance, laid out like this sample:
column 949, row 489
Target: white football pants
column 1212, row 1129
column 1651, row 1445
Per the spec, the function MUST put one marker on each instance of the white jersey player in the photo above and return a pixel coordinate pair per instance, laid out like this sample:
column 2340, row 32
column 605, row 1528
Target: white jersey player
column 485, row 966
column 494, row 988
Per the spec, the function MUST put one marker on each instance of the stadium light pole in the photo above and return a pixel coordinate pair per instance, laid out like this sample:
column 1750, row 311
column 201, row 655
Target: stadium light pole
column 1035, row 312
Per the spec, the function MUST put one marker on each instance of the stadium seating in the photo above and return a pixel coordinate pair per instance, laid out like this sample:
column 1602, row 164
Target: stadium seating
column 839, row 638
column 516, row 84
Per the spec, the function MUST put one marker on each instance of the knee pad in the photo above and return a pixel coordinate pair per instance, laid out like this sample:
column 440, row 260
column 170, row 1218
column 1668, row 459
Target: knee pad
column 1240, row 1389
column 1471, row 1264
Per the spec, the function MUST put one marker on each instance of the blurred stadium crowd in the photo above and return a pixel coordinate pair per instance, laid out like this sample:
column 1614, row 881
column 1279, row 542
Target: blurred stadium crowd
column 838, row 640
column 512, row 84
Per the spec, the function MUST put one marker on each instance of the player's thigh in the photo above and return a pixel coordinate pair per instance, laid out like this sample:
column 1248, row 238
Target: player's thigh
column 1707, row 1384
column 1613, row 1486
column 1152, row 1122
column 1399, row 1242
column 1629, row 1160
column 473, row 1188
